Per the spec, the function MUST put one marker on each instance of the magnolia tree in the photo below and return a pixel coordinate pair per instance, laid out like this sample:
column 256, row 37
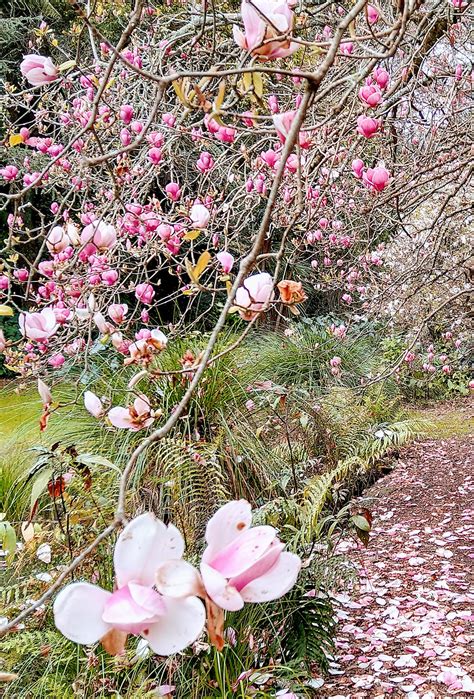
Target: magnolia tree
column 209, row 160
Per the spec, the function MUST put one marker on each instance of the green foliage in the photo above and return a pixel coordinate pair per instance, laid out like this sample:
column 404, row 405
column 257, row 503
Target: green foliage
column 308, row 631
column 9, row 326
column 416, row 383
column 298, row 451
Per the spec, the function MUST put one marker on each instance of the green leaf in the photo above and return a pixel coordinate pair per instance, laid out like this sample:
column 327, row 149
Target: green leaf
column 93, row 459
column 361, row 523
column 8, row 539
column 39, row 485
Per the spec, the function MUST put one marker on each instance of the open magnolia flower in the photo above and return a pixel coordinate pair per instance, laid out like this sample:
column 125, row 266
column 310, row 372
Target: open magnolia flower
column 135, row 417
column 265, row 20
column 143, row 351
column 38, row 326
column 243, row 563
column 254, row 295
column 86, row 613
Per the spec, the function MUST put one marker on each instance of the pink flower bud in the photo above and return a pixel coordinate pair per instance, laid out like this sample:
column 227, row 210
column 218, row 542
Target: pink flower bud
column 357, row 167
column 126, row 113
column 372, row 14
column 155, row 156
column 367, row 126
column 173, row 191
column 381, row 77
column 199, row 215
column 9, row 172
column 38, row 70
column 144, row 293
column 169, row 120
column 370, row 95
column 226, row 261
column 125, row 137
column 376, row 178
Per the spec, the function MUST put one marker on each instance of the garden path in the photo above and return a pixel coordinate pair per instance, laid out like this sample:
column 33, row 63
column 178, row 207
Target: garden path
column 406, row 629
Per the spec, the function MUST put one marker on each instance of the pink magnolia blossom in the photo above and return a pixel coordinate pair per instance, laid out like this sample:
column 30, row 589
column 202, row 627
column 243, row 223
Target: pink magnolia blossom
column 155, row 156
column 38, row 70
column 109, row 277
column 370, row 95
column 226, row 261
column 126, row 113
column 103, row 326
column 254, row 294
column 3, row 342
column 9, row 172
column 372, row 14
column 38, row 326
column 135, row 417
column 367, row 126
column 173, row 191
column 376, row 178
column 45, row 393
column 125, row 137
column 86, row 613
column 93, row 404
column 226, row 134
column 117, row 312
column 101, row 234
column 143, row 350
column 205, row 162
column 144, row 293
column 21, row 274
column 243, row 563
column 56, row 360
column 358, row 167
column 169, row 119
column 283, row 122
column 381, row 77
column 199, row 215
column 57, row 239
column 346, row 48
column 257, row 30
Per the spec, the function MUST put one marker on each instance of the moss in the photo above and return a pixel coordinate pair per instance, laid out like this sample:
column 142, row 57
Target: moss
column 445, row 421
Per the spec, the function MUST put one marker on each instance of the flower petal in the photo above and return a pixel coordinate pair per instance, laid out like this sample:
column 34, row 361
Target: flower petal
column 143, row 545
column 178, row 579
column 120, row 417
column 228, row 523
column 243, row 552
column 254, row 25
column 142, row 405
column 218, row 589
column 179, row 627
column 78, row 612
column 261, row 566
column 132, row 612
column 276, row 582
column 93, row 404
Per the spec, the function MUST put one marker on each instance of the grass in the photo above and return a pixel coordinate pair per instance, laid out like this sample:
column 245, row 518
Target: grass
column 446, row 420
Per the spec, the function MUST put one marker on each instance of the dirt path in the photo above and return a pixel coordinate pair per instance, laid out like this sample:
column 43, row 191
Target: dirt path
column 406, row 629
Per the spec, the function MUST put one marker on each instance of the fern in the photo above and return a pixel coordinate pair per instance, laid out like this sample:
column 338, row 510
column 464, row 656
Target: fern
column 28, row 642
column 186, row 480
column 12, row 595
column 309, row 629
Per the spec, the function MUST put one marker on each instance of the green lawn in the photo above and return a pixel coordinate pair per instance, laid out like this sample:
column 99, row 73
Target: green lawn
column 19, row 415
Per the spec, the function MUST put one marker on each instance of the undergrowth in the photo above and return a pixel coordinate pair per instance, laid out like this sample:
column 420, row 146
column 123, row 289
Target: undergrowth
column 269, row 423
